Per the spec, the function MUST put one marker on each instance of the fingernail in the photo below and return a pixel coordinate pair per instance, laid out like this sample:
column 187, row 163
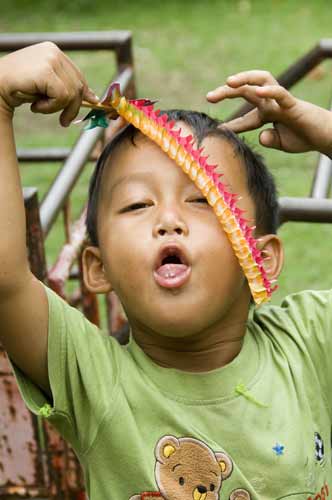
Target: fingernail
column 210, row 94
column 93, row 96
column 231, row 77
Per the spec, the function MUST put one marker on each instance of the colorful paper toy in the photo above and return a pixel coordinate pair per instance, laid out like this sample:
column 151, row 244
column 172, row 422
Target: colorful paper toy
column 97, row 118
column 191, row 160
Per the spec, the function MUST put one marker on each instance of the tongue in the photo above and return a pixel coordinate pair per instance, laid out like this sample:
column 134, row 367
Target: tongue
column 171, row 270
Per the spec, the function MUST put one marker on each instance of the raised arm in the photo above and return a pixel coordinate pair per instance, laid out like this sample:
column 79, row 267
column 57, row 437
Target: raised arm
column 45, row 77
column 298, row 125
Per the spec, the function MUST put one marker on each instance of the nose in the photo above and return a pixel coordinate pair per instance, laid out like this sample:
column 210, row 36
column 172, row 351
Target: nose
column 201, row 488
column 170, row 222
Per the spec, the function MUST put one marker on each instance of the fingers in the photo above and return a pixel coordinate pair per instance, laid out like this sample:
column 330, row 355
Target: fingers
column 217, row 94
column 271, row 100
column 88, row 93
column 278, row 93
column 255, row 78
column 252, row 77
column 249, row 121
column 226, row 92
column 64, row 88
column 52, row 82
column 53, row 97
column 75, row 86
column 270, row 138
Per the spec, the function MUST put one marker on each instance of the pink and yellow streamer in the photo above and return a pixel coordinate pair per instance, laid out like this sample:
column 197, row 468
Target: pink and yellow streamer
column 191, row 160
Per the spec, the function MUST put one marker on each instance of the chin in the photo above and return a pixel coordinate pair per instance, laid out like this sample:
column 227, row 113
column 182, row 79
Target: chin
column 176, row 325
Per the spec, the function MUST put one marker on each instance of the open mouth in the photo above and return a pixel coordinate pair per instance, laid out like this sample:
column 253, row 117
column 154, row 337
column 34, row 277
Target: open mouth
column 172, row 268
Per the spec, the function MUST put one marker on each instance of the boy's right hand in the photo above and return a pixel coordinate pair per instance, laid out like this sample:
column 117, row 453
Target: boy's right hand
column 298, row 125
column 45, row 77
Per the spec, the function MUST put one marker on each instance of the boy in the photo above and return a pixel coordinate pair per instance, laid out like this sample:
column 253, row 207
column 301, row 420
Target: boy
column 205, row 402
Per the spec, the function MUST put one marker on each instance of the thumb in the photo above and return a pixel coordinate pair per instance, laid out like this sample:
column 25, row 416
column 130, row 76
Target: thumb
column 270, row 138
column 90, row 96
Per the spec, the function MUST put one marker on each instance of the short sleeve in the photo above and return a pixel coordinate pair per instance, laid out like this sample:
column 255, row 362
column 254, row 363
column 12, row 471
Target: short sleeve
column 84, row 367
column 302, row 327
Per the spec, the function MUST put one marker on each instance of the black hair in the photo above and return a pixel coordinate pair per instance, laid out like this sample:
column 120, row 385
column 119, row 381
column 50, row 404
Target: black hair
column 260, row 182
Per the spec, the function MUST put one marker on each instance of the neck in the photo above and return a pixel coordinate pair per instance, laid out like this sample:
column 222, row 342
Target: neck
column 204, row 351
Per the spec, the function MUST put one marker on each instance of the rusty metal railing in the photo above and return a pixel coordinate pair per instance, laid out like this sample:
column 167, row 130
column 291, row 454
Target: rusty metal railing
column 42, row 155
column 35, row 462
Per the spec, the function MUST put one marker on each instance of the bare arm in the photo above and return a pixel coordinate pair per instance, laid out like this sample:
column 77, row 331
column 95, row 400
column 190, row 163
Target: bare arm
column 51, row 83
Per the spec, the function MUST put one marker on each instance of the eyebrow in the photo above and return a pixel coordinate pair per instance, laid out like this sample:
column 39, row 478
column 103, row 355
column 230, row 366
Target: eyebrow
column 177, row 465
column 138, row 176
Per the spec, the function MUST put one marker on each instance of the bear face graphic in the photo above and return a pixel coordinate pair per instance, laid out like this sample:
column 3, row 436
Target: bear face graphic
column 188, row 469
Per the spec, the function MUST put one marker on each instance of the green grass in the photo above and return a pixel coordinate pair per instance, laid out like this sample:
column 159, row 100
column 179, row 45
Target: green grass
column 181, row 50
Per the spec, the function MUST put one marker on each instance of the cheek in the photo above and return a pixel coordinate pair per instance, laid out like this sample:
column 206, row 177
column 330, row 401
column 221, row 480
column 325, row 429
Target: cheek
column 217, row 252
column 125, row 255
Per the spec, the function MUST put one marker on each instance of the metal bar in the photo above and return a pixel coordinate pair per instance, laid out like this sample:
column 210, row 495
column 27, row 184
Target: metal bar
column 37, row 155
column 124, row 58
column 68, row 175
column 304, row 210
column 321, row 185
column 34, row 234
column 42, row 155
column 60, row 271
column 301, row 67
column 83, row 40
column 296, row 71
column 326, row 46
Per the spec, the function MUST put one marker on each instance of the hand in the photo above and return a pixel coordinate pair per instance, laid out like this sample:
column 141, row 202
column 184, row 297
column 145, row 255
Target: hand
column 44, row 76
column 298, row 125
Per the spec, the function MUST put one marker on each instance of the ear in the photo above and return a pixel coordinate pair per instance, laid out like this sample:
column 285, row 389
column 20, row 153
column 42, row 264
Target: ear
column 225, row 464
column 94, row 274
column 165, row 448
column 272, row 254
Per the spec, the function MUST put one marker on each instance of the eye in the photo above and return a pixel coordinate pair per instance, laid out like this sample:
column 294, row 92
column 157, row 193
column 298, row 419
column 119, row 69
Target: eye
column 212, row 487
column 199, row 200
column 134, row 206
column 181, row 481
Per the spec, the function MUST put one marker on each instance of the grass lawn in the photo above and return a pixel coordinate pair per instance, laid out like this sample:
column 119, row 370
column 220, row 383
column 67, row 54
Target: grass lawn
column 182, row 49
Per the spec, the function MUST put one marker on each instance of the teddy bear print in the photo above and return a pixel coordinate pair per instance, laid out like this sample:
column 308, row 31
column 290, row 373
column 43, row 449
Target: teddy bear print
column 187, row 469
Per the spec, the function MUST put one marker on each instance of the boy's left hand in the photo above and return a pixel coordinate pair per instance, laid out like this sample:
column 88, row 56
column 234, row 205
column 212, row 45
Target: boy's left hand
column 298, row 125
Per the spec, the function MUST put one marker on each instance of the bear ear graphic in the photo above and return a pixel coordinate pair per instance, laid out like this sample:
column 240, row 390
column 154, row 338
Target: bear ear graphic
column 225, row 464
column 168, row 450
column 165, row 448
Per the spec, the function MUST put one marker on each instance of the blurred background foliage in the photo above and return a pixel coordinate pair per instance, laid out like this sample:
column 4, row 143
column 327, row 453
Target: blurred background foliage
column 182, row 49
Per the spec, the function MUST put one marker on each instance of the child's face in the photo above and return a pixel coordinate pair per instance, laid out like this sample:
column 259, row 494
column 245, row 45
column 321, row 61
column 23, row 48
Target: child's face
column 168, row 210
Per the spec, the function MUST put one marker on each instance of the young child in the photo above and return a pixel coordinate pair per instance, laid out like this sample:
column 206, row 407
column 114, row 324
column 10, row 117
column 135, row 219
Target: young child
column 211, row 398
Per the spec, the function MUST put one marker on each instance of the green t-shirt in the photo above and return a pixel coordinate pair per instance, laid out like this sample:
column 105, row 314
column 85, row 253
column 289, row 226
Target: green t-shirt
column 258, row 428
